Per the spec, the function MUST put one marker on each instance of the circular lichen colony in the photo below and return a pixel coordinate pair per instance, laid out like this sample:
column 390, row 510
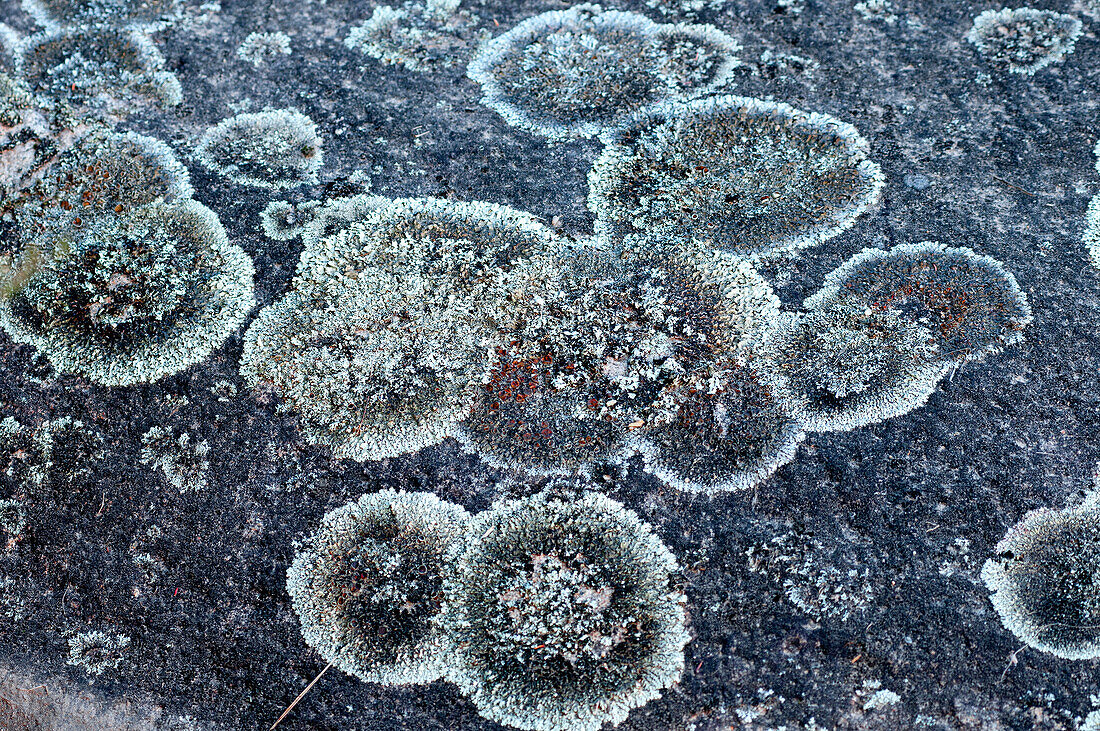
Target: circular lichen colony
column 1044, row 581
column 970, row 303
column 391, row 320
column 1024, row 40
column 728, row 433
column 843, row 367
column 751, row 177
column 597, row 359
column 576, row 72
column 1091, row 236
column 134, row 297
column 428, row 36
column 275, row 148
column 146, row 15
column 563, row 614
column 367, row 586
column 283, row 220
column 103, row 67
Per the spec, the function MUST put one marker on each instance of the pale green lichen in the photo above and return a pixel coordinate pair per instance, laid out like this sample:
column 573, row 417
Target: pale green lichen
column 146, row 15
column 100, row 67
column 97, row 651
column 259, row 49
column 182, row 460
column 421, row 36
column 563, row 614
column 367, row 586
column 972, row 306
column 1024, row 40
column 752, row 177
column 59, row 451
column 275, row 148
column 133, row 297
column 578, row 72
column 1044, row 580
column 389, row 321
column 847, row 366
column 283, row 220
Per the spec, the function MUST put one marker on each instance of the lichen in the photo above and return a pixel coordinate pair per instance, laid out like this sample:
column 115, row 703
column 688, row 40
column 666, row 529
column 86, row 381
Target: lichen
column 577, row 72
column 389, row 320
column 60, row 451
column 752, row 177
column 367, row 586
column 730, row 432
column 1044, row 580
column 603, row 353
column 1024, row 40
column 847, row 366
column 146, row 15
column 283, row 220
column 421, row 36
column 275, row 148
column 970, row 303
column 183, row 461
column 133, row 297
column 259, row 49
column 563, row 615
column 102, row 67
column 1091, row 235
column 97, row 651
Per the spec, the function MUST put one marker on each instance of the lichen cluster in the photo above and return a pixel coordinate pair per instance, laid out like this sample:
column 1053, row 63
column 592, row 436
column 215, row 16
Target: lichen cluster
column 1024, row 40
column 97, row 651
column 259, row 49
column 275, row 148
column 146, row 15
column 549, row 614
column 182, row 459
column 742, row 175
column 1044, row 580
column 132, row 280
column 421, row 36
column 367, row 586
column 580, row 71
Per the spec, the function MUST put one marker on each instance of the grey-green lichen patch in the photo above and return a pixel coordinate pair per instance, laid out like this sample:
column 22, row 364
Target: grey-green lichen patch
column 970, row 303
column 60, row 451
column 367, row 586
column 104, row 174
column 182, row 459
column 275, row 148
column 847, row 366
column 13, row 520
column 729, row 432
column 564, row 614
column 1091, row 235
column 1044, row 580
column 577, row 72
column 97, row 651
column 283, row 220
column 260, row 49
column 147, row 15
column 390, row 319
column 606, row 350
column 102, row 67
column 421, row 36
column 752, row 177
column 133, row 297
column 1024, row 40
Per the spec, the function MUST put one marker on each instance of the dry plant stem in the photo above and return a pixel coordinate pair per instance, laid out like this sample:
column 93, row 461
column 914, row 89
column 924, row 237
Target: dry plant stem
column 300, row 697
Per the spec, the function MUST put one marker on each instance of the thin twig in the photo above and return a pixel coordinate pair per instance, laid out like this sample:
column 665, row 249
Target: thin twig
column 300, row 697
column 1010, row 185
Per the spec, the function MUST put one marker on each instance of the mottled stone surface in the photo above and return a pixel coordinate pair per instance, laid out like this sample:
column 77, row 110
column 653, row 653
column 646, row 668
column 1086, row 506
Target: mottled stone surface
column 853, row 570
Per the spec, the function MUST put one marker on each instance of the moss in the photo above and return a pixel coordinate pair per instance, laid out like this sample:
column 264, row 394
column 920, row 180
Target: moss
column 1044, row 581
column 101, row 68
column 751, row 177
column 971, row 304
column 577, row 72
column 367, row 586
column 844, row 367
column 275, row 148
column 421, row 36
column 564, row 615
column 1024, row 40
column 134, row 297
